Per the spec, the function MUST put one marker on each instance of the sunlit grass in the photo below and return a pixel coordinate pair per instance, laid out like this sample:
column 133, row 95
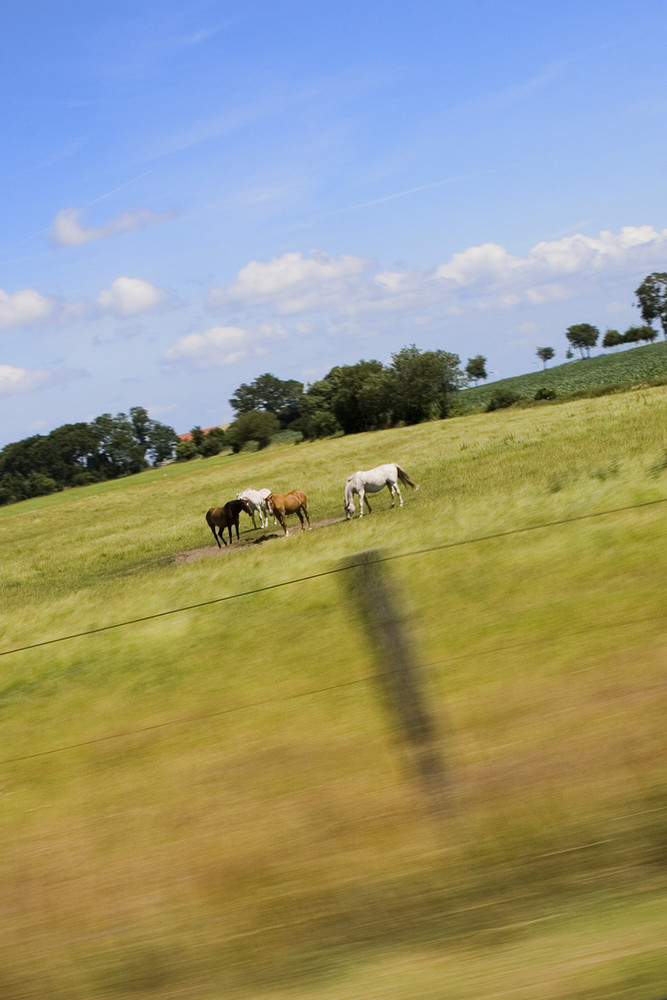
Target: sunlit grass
column 212, row 802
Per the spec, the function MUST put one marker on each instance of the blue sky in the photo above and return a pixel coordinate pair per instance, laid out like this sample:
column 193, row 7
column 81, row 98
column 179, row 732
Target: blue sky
column 196, row 193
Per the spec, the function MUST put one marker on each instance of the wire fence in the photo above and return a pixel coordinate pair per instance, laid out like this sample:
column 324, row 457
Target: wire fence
column 494, row 909
column 343, row 568
column 388, row 557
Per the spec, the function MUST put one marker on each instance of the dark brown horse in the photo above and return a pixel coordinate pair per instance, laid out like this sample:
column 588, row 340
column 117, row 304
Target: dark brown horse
column 227, row 517
column 294, row 502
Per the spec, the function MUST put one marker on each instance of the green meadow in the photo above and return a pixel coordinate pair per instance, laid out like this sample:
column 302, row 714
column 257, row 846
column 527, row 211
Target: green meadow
column 203, row 794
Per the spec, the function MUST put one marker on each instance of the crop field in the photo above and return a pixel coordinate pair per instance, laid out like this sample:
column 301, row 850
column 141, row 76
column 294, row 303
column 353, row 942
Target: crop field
column 618, row 370
column 206, row 794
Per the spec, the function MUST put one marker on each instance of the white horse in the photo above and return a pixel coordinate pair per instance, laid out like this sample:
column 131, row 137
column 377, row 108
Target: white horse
column 372, row 481
column 257, row 501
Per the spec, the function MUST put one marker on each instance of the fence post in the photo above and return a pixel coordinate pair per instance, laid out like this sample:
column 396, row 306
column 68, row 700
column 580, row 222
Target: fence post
column 403, row 692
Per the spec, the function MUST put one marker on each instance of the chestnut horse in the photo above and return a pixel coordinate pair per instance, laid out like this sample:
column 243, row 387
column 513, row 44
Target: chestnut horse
column 294, row 502
column 227, row 517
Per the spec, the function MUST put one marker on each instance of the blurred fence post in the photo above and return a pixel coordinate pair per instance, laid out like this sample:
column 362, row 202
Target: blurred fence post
column 378, row 604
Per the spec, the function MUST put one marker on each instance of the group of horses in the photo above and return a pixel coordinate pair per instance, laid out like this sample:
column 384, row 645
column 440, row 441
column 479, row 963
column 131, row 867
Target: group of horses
column 279, row 505
column 262, row 502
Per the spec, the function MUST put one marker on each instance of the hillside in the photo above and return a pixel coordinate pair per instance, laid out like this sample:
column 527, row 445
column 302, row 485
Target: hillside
column 207, row 792
column 580, row 377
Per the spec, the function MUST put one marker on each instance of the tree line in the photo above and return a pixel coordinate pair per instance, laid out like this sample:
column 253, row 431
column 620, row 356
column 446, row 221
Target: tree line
column 369, row 395
column 417, row 385
column 83, row 453
column 652, row 303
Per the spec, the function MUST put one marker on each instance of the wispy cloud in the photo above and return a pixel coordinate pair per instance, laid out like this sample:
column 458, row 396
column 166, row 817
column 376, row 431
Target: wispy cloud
column 68, row 230
column 15, row 381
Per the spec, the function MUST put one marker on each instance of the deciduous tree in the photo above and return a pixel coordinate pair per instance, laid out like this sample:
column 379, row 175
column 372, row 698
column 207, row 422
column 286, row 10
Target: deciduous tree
column 281, row 397
column 583, row 336
column 476, row 368
column 254, row 425
column 612, row 338
column 652, row 296
column 545, row 354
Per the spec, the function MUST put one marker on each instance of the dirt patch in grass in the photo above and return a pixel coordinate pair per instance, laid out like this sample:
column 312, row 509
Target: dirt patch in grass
column 247, row 540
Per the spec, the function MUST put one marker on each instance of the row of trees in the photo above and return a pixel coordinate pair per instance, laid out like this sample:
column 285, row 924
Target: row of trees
column 652, row 302
column 417, row 385
column 584, row 336
column 78, row 454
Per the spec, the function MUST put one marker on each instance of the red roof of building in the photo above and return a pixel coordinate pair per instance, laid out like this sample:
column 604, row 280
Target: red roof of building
column 187, row 436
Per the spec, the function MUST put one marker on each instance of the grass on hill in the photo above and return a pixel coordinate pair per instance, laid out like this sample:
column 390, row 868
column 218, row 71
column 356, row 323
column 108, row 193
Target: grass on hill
column 213, row 801
column 606, row 373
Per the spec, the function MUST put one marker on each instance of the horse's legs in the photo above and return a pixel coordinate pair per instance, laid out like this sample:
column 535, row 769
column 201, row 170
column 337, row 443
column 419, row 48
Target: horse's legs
column 362, row 497
column 398, row 494
column 305, row 510
column 215, row 534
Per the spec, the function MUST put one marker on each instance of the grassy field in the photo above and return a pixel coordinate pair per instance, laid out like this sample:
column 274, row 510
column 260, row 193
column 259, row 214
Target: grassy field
column 203, row 795
column 604, row 373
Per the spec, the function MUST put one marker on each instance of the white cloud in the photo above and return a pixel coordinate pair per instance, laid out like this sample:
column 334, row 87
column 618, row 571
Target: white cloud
column 14, row 381
column 492, row 266
column 130, row 296
column 67, row 229
column 125, row 297
column 223, row 345
column 294, row 283
column 350, row 295
column 25, row 308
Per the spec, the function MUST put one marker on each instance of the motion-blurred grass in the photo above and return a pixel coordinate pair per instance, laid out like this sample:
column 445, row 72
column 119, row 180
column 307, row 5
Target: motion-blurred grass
column 213, row 803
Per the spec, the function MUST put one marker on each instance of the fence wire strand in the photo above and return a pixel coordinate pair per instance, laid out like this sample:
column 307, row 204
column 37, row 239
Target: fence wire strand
column 388, row 557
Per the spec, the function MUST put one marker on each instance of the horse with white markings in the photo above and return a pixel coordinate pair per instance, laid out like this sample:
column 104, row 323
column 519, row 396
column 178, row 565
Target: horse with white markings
column 372, row 481
column 294, row 502
column 227, row 517
column 257, row 500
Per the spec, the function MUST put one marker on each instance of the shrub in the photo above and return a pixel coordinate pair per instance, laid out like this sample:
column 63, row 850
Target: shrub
column 545, row 392
column 502, row 399
column 185, row 451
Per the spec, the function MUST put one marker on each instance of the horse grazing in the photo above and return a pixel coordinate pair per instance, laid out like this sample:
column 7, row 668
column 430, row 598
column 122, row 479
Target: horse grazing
column 257, row 500
column 294, row 502
column 372, row 481
column 226, row 517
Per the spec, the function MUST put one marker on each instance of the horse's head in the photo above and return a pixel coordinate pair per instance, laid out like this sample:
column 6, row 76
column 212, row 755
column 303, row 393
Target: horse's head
column 246, row 505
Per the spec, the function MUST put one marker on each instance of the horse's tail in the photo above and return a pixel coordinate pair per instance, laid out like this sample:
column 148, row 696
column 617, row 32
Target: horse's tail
column 211, row 524
column 405, row 478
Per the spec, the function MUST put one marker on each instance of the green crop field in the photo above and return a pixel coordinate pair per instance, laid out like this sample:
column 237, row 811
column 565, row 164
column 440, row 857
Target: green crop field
column 205, row 795
column 617, row 371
